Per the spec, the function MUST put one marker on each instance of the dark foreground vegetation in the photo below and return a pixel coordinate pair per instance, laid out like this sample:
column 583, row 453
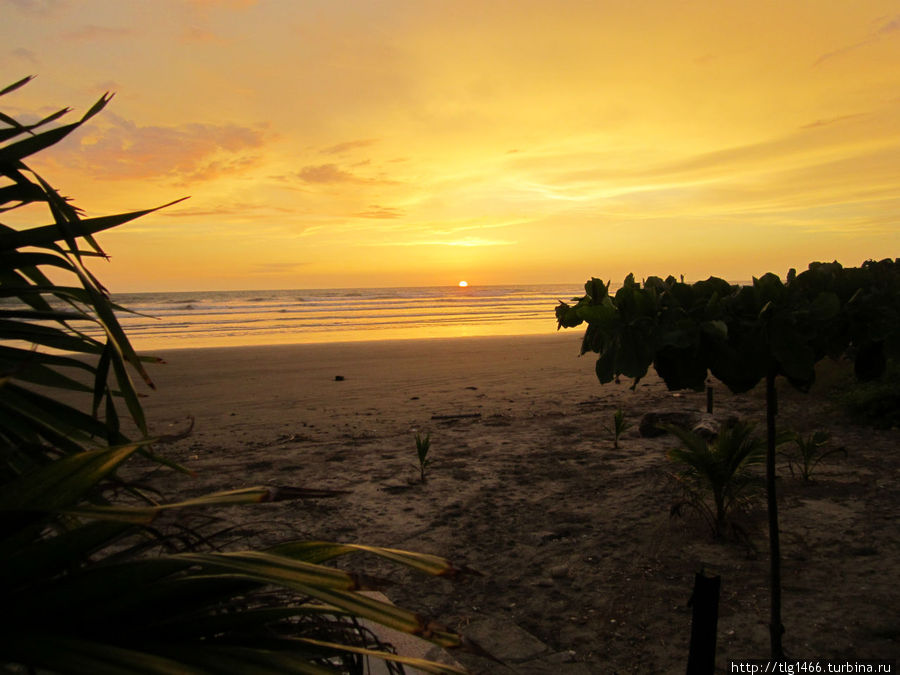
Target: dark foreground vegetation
column 744, row 335
column 99, row 574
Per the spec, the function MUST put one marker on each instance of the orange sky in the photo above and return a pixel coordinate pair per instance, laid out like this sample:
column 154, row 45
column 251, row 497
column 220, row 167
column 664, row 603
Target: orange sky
column 334, row 144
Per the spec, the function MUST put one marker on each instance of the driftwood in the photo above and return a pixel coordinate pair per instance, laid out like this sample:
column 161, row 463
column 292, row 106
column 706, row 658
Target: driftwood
column 455, row 417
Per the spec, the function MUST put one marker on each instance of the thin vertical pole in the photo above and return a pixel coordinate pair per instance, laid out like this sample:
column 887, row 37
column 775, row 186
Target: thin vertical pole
column 776, row 628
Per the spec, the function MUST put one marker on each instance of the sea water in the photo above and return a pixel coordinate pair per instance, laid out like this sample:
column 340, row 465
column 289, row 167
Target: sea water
column 229, row 318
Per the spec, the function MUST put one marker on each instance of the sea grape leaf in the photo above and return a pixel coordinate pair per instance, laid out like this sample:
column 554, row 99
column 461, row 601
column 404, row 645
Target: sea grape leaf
column 605, row 314
column 740, row 366
column 825, row 306
column 566, row 316
column 712, row 286
column 679, row 334
column 870, row 361
column 681, row 368
column 596, row 289
column 770, row 288
column 635, row 355
column 606, row 364
column 790, row 349
column 715, row 329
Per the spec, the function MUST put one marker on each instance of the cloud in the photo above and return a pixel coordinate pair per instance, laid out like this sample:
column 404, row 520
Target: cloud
column 202, row 36
column 886, row 28
column 327, row 173
column 36, row 6
column 270, row 268
column 189, row 152
column 466, row 242
column 831, row 120
column 92, row 32
column 25, row 55
column 376, row 211
column 232, row 208
column 892, row 25
column 235, row 4
column 347, row 145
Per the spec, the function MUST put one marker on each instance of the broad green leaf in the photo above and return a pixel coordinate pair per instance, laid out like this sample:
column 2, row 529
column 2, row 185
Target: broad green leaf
column 606, row 364
column 790, row 348
column 65, row 481
column 603, row 314
column 681, row 368
column 825, row 306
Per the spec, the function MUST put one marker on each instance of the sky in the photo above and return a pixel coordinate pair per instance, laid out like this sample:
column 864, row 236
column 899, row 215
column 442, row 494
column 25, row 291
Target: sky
column 343, row 143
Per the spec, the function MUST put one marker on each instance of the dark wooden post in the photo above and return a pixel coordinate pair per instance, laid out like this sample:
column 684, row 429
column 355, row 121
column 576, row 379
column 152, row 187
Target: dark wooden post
column 704, row 625
column 709, row 399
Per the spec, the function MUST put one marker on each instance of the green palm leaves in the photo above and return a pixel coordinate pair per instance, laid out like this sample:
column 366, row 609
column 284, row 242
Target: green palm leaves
column 93, row 576
column 716, row 471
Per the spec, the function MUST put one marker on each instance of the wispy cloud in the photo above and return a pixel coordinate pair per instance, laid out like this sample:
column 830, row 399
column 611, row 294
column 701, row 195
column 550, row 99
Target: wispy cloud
column 886, row 26
column 376, row 211
column 235, row 4
column 346, row 146
column 275, row 268
column 25, row 55
column 91, row 33
column 232, row 208
column 36, row 6
column 193, row 34
column 832, row 120
column 326, row 173
column 466, row 242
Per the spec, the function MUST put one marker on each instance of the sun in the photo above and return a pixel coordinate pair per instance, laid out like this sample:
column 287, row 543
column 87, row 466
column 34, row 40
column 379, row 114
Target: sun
column 463, row 284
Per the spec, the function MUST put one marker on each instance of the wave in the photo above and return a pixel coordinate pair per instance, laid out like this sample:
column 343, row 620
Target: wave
column 311, row 315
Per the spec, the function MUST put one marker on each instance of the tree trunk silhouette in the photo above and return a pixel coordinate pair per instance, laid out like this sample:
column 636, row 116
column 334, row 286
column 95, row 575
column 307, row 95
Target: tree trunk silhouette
column 776, row 628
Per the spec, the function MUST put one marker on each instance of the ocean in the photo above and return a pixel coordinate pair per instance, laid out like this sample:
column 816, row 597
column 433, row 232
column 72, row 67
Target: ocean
column 232, row 318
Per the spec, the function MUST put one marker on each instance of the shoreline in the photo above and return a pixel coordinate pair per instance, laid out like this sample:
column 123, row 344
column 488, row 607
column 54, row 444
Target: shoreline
column 344, row 336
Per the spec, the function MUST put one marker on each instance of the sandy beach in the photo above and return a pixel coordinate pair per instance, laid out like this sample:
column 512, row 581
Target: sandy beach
column 584, row 570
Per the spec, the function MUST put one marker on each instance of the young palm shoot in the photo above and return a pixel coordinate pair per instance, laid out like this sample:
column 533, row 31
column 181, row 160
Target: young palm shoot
column 717, row 470
column 809, row 453
column 423, row 445
column 620, row 426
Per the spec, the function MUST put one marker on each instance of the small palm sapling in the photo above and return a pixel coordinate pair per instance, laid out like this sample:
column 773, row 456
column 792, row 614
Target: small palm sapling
column 423, row 445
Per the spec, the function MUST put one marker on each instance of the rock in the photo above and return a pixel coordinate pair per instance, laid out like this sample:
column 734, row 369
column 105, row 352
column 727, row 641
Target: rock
column 503, row 639
column 652, row 422
column 706, row 427
column 338, row 378
column 558, row 571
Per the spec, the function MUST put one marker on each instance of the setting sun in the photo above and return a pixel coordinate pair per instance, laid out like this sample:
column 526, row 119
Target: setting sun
column 699, row 138
column 463, row 284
